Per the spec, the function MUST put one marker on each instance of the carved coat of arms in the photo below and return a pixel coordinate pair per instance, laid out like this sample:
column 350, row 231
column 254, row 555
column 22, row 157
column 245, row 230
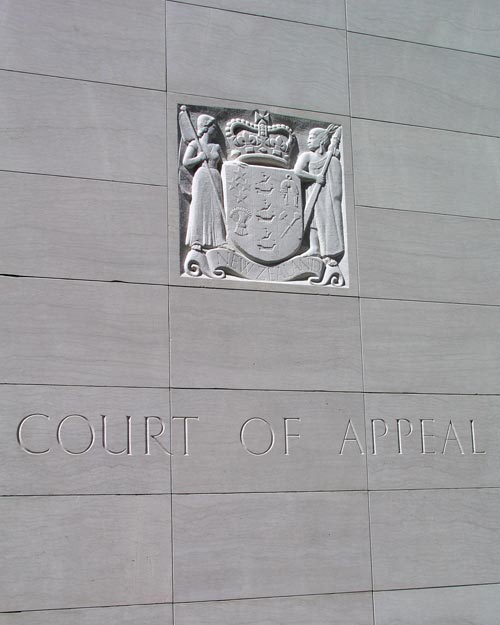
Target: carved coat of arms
column 257, row 210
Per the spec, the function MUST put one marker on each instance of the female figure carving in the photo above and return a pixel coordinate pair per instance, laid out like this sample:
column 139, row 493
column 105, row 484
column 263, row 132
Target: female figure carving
column 206, row 226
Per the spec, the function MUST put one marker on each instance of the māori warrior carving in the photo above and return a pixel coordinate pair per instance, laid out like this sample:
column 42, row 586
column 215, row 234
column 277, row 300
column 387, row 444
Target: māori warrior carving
column 206, row 226
column 320, row 165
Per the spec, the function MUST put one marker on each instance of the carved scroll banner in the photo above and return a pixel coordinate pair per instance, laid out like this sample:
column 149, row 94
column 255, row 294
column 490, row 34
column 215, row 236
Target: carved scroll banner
column 259, row 202
column 221, row 262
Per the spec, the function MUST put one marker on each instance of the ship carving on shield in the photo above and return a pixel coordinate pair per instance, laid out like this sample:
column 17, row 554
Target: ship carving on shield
column 259, row 208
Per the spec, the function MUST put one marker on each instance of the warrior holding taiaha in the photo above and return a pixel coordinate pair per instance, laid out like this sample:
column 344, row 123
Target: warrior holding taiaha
column 320, row 165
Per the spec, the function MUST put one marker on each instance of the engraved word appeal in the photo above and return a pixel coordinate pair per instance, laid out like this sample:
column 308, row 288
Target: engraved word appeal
column 256, row 206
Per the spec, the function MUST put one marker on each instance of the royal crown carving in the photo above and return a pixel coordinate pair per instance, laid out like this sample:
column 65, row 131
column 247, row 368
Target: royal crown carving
column 260, row 142
column 261, row 200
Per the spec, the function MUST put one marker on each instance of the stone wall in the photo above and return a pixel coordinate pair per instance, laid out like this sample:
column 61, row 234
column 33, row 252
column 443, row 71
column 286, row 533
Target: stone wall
column 188, row 450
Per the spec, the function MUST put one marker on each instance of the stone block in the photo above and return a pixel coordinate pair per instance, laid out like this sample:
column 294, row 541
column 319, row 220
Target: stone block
column 322, row 13
column 461, row 605
column 86, row 229
column 66, row 332
column 417, row 256
column 128, row 615
column 426, row 170
column 447, row 23
column 437, row 537
column 264, row 545
column 420, row 347
column 63, row 552
column 355, row 608
column 242, row 340
column 99, row 40
column 293, row 65
column 428, row 86
column 82, row 129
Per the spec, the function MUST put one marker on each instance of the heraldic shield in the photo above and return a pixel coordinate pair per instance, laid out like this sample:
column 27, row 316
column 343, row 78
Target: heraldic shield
column 264, row 212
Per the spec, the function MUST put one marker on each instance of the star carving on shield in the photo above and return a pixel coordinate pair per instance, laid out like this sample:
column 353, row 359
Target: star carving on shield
column 240, row 187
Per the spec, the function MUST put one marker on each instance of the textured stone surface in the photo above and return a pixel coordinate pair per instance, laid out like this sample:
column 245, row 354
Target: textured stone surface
column 296, row 65
column 447, row 23
column 83, row 129
column 129, row 615
column 101, row 40
column 461, row 605
column 218, row 461
column 230, row 546
column 95, row 471
column 322, row 12
column 434, row 538
column 415, row 84
column 241, row 340
column 70, row 228
column 430, row 348
column 406, row 255
column 62, row 552
column 356, row 608
column 62, row 332
column 425, row 170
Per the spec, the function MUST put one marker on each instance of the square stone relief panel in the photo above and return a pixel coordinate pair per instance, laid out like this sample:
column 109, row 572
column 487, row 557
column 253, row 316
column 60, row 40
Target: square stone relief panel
column 260, row 198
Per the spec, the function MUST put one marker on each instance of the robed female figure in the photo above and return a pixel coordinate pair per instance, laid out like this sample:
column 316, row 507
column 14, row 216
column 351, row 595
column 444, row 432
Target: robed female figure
column 206, row 228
